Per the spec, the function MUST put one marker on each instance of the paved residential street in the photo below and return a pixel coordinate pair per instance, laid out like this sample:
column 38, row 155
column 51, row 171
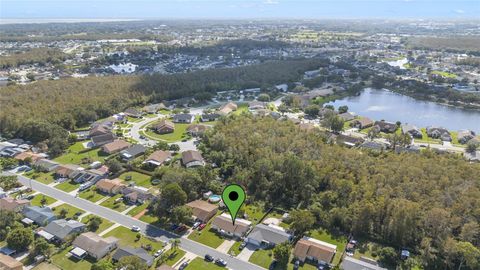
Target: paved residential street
column 127, row 221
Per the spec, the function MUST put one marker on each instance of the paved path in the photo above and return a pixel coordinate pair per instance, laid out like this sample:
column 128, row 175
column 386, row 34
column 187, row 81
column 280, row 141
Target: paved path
column 226, row 245
column 127, row 221
column 246, row 253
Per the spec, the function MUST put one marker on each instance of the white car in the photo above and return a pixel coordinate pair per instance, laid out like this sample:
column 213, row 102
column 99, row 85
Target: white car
column 158, row 253
column 135, row 228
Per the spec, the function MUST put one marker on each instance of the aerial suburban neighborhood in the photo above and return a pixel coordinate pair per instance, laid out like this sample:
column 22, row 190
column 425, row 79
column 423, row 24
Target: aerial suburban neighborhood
column 355, row 142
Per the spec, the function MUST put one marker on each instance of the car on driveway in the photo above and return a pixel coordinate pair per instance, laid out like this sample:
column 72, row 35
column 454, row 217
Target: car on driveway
column 220, row 262
column 158, row 253
column 209, row 258
column 183, row 266
column 196, row 224
column 242, row 245
column 135, row 228
column 201, row 226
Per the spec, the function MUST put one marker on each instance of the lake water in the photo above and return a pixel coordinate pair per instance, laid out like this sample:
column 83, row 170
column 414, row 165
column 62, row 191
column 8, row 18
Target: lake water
column 390, row 106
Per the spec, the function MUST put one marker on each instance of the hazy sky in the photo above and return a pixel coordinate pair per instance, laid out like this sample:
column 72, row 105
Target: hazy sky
column 240, row 9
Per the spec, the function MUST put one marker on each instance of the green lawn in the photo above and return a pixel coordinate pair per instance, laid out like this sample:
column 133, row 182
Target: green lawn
column 234, row 249
column 339, row 241
column 178, row 135
column 201, row 264
column 42, row 177
column 133, row 119
column 140, row 179
column 444, row 74
column 65, row 261
column 174, row 256
column 262, row 258
column 207, row 236
column 68, row 186
column 103, row 226
column 70, row 209
column 117, row 206
column 38, row 198
column 254, row 212
column 128, row 238
column 367, row 249
column 137, row 210
column 150, row 219
column 74, row 157
column 91, row 194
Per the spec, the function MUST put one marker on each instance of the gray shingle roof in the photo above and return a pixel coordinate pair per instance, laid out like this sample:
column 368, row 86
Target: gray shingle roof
column 62, row 228
column 269, row 234
column 138, row 252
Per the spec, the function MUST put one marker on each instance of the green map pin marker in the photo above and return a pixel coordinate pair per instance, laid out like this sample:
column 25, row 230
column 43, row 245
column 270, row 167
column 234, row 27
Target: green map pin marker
column 233, row 197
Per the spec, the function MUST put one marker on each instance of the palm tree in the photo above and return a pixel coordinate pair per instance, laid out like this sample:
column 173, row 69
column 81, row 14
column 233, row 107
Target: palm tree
column 175, row 243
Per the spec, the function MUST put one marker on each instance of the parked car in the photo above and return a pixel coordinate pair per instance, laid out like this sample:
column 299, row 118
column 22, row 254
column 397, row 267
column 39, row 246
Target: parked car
column 196, row 224
column 220, row 262
column 158, row 253
column 183, row 266
column 180, row 229
column 273, row 265
column 173, row 227
column 242, row 245
column 135, row 228
column 296, row 265
column 209, row 258
column 201, row 226
column 323, row 265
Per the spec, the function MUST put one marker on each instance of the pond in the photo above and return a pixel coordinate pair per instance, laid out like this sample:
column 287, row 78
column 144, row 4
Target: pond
column 390, row 106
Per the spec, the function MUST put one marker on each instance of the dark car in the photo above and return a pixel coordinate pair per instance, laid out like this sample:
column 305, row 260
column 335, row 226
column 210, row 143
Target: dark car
column 272, row 265
column 208, row 258
column 183, row 266
column 323, row 265
column 242, row 246
column 181, row 229
column 296, row 265
column 173, row 227
column 220, row 262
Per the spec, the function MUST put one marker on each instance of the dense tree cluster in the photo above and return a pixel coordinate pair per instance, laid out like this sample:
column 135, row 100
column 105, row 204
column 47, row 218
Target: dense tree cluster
column 428, row 203
column 39, row 56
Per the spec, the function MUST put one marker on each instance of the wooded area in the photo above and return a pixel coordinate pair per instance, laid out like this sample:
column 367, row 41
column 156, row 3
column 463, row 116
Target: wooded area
column 33, row 56
column 427, row 203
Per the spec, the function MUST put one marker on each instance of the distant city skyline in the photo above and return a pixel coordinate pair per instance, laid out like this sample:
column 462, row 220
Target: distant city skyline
column 239, row 9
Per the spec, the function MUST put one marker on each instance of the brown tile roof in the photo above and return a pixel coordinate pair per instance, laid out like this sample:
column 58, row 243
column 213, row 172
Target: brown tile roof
column 309, row 247
column 227, row 108
column 7, row 263
column 115, row 146
column 24, row 155
column 164, row 123
column 202, row 209
column 93, row 243
column 159, row 156
column 191, row 155
column 110, row 185
column 197, row 128
column 66, row 169
column 11, row 204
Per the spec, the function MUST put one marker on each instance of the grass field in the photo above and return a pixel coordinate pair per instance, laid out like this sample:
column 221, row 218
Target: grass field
column 128, row 238
column 65, row 261
column 426, row 139
column 174, row 256
column 207, row 236
column 150, row 219
column 71, row 210
column 234, row 249
column 262, row 258
column 103, row 226
column 140, row 179
column 254, row 212
column 67, row 186
column 201, row 264
column 339, row 241
column 137, row 210
column 72, row 155
column 38, row 198
column 444, row 74
column 178, row 135
column 45, row 178
column 117, row 206
column 91, row 194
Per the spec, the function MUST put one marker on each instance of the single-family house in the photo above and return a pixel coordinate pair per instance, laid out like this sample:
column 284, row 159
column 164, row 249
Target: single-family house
column 207, row 117
column 192, row 158
column 197, row 129
column 45, row 165
column 60, row 229
column 385, row 126
column 164, row 126
column 227, row 108
column 92, row 175
column 67, row 170
column 136, row 194
column 39, row 215
column 362, row 123
column 266, row 236
column 346, row 140
column 203, row 210
column 157, row 158
column 346, row 116
column 183, row 118
column 115, row 146
column 374, row 146
column 223, row 225
column 13, row 205
column 350, row 263
column 28, row 156
column 100, row 129
column 154, row 108
column 9, row 263
column 412, row 130
column 464, row 136
column 132, row 112
column 108, row 186
column 93, row 245
column 133, row 152
column 314, row 250
column 256, row 105
column 140, row 253
column 103, row 139
column 439, row 133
